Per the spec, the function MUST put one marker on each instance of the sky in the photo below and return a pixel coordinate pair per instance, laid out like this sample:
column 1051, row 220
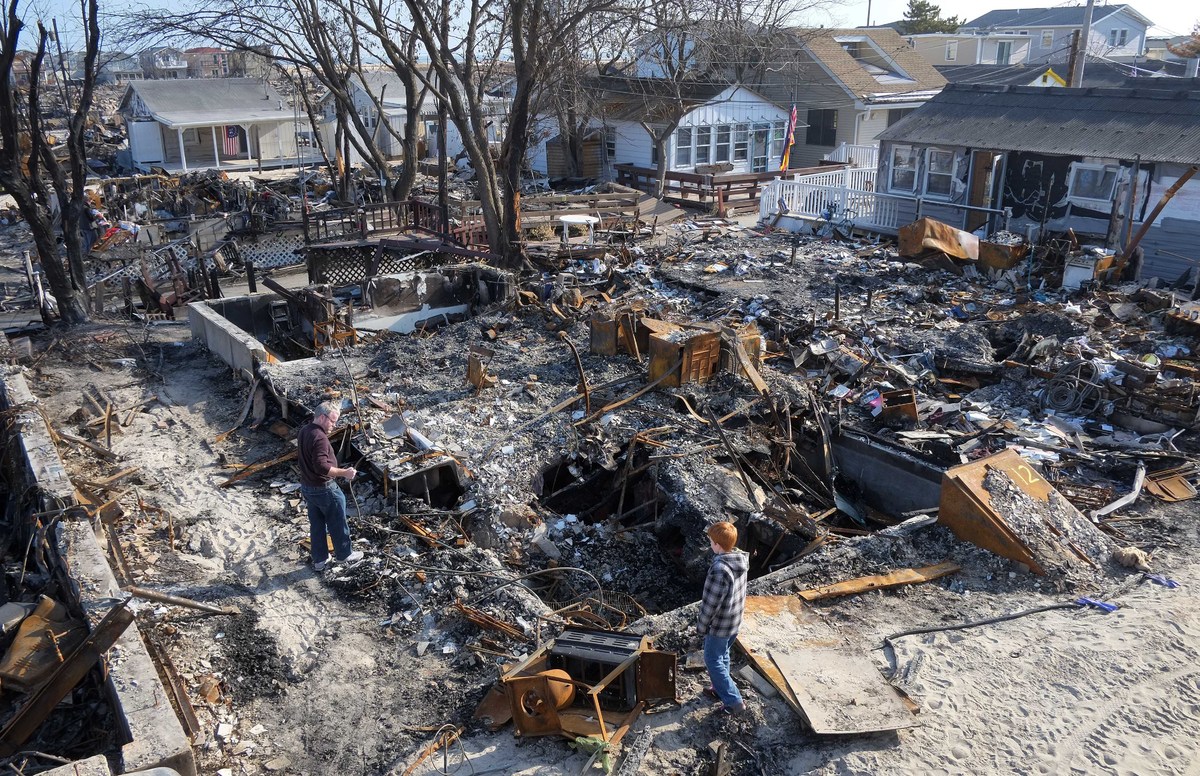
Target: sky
column 1171, row 17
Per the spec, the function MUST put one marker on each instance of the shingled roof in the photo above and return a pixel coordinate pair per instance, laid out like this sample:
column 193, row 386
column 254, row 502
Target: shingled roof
column 1065, row 16
column 200, row 102
column 1156, row 122
column 826, row 46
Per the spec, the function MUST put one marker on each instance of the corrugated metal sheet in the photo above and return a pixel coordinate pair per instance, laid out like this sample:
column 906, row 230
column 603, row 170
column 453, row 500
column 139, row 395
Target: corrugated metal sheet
column 1160, row 123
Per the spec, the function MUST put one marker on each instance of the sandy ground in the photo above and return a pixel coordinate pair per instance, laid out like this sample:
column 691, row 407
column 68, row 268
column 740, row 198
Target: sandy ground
column 312, row 683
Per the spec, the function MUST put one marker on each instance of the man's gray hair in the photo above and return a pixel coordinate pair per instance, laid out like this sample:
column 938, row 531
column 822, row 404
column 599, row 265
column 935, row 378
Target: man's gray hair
column 326, row 408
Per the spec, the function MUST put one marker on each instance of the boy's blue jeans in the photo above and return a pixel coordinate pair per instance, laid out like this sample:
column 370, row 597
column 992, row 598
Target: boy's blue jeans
column 716, row 659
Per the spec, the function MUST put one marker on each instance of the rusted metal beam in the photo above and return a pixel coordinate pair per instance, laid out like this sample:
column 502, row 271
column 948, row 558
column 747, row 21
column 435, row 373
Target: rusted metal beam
column 174, row 600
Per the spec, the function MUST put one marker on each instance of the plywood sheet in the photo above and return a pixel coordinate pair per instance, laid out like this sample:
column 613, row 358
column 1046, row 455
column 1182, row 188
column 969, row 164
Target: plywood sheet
column 841, row 691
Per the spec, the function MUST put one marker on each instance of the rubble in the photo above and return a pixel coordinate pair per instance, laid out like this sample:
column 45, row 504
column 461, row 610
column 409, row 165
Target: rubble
column 542, row 453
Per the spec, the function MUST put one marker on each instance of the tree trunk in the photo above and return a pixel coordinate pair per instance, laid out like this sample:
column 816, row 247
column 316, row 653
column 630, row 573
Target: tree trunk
column 412, row 119
column 71, row 308
column 660, row 178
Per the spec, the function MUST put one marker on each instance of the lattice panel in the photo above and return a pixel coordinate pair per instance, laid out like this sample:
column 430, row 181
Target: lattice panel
column 273, row 252
column 339, row 266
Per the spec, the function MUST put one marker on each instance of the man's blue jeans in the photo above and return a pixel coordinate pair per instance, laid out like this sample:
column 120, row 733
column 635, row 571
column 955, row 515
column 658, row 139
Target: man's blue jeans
column 327, row 513
column 716, row 659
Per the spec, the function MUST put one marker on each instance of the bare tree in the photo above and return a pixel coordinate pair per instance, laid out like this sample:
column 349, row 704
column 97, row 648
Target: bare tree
column 687, row 51
column 464, row 46
column 27, row 159
column 309, row 37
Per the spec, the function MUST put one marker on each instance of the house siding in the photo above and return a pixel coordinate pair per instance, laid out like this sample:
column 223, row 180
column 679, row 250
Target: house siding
column 1177, row 229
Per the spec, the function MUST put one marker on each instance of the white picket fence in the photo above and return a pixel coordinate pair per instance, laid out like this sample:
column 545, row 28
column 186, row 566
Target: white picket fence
column 855, row 155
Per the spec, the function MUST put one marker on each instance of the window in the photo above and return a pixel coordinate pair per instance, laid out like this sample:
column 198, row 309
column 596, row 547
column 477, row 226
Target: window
column 1092, row 184
column 1003, row 52
column 610, row 142
column 683, row 147
column 741, row 143
column 1117, row 37
column 904, row 169
column 703, row 145
column 1047, row 38
column 939, row 173
column 722, row 152
column 895, row 114
column 951, row 50
column 778, row 136
column 822, row 128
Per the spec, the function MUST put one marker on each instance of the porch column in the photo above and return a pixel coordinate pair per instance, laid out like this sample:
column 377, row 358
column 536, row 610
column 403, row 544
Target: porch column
column 216, row 148
column 249, row 150
column 279, row 140
column 182, row 153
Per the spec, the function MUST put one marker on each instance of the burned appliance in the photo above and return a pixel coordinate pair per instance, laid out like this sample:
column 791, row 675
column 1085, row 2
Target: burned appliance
column 588, row 682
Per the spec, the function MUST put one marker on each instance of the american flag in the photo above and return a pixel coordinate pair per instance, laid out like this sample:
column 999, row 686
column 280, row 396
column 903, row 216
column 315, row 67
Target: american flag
column 233, row 141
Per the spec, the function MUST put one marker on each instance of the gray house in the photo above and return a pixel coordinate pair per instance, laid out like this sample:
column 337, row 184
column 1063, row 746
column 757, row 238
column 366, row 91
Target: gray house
column 1094, row 160
column 1118, row 31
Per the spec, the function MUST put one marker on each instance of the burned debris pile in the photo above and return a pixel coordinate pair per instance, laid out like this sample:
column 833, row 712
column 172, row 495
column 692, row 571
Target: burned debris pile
column 543, row 451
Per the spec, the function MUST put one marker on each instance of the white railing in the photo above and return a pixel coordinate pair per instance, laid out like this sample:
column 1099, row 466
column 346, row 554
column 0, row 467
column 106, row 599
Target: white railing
column 867, row 209
column 855, row 155
column 861, row 178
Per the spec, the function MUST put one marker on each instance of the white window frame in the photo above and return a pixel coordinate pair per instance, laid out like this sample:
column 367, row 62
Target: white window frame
column 610, row 143
column 951, row 175
column 915, row 154
column 683, row 148
column 1093, row 203
column 703, row 138
column 1113, row 37
column 1047, row 34
column 741, row 143
column 723, row 149
column 778, row 139
column 951, row 51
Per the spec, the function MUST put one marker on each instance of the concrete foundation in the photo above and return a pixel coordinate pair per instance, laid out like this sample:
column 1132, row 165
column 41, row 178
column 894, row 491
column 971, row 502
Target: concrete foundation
column 155, row 736
column 32, row 446
column 156, row 739
column 224, row 338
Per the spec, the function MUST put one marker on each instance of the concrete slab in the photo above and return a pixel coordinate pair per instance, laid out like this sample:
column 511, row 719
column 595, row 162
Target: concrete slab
column 156, row 739
column 92, row 766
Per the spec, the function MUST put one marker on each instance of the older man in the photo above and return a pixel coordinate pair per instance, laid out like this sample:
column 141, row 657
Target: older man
column 326, row 504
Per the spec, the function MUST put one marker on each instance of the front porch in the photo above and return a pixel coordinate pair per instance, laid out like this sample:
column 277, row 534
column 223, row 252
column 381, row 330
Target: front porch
column 233, row 147
column 850, row 195
column 731, row 191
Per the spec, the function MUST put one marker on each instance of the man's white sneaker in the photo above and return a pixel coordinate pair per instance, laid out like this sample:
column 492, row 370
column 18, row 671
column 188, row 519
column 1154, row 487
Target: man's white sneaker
column 320, row 565
column 353, row 557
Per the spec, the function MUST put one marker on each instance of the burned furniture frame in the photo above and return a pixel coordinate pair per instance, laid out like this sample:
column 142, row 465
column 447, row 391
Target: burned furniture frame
column 632, row 675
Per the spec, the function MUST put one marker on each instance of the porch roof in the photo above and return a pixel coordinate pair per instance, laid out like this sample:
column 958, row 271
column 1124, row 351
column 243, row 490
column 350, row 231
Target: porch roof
column 203, row 102
column 1156, row 122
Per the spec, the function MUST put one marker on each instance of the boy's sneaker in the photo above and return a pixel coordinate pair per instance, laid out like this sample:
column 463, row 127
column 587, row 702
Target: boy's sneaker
column 736, row 711
column 320, row 565
column 353, row 557
column 710, row 693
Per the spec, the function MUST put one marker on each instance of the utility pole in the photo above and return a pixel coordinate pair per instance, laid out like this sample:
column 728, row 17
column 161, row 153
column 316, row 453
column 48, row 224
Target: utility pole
column 1082, row 46
column 1073, row 58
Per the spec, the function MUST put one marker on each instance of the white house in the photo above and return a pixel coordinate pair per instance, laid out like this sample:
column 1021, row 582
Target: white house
column 730, row 126
column 206, row 123
column 382, row 87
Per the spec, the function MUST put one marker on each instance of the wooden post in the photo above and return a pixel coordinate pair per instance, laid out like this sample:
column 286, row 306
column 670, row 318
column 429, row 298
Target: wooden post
column 250, row 279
